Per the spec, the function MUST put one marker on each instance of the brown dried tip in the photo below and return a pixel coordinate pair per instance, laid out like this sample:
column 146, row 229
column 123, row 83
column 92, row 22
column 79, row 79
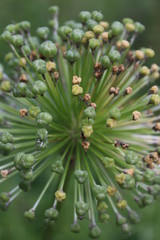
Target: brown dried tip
column 118, row 143
column 136, row 115
column 128, row 91
column 56, row 75
column 85, row 145
column 76, row 80
column 93, row 105
column 23, row 78
column 4, row 173
column 33, row 56
column 98, row 70
column 153, row 90
column 130, row 57
column 114, row 91
column 129, row 171
column 23, row 112
column 87, row 97
column 156, row 127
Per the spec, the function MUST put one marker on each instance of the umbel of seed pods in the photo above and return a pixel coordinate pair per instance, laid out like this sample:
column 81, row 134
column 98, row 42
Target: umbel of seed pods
column 74, row 101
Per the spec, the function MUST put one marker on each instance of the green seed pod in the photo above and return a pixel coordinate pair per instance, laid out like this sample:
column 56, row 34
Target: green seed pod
column 94, row 232
column 149, row 176
column 81, row 176
column 13, row 63
column 48, row 49
column 57, row 167
column 25, row 25
column 126, row 228
column 105, row 62
column 100, row 192
column 27, row 161
column 30, row 215
column 17, row 160
column 108, row 162
column 6, row 137
column 87, row 130
column 75, row 227
column 81, row 208
column 33, row 111
column 39, row 88
column 17, row 40
column 102, row 206
column 11, row 28
column 117, row 28
column 114, row 56
column 64, row 32
column 90, row 112
column 4, row 197
column 54, row 10
column 94, row 43
column 7, row 149
column 129, row 182
column 155, row 190
column 51, row 213
column 6, row 36
column 157, row 179
column 6, row 86
column 21, row 88
column 72, row 56
column 42, row 32
column 139, row 27
column 26, row 50
column 127, row 20
column 131, row 158
column 43, row 119
column 104, row 217
column 115, row 113
column 91, row 23
column 72, row 24
column 120, row 220
column 39, row 66
column 154, row 99
column 25, row 185
column 77, row 35
column 29, row 94
column 134, row 216
column 98, row 29
column 84, row 16
column 149, row 52
column 27, row 174
column 147, row 199
column 42, row 139
column 97, row 16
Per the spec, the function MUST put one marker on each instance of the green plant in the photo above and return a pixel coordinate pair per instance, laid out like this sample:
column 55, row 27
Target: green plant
column 76, row 104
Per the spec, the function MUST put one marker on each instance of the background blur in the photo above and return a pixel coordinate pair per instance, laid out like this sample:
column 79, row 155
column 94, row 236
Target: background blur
column 13, row 226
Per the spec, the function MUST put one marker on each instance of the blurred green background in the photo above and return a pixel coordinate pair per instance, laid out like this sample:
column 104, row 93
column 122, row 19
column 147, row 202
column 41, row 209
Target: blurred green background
column 12, row 224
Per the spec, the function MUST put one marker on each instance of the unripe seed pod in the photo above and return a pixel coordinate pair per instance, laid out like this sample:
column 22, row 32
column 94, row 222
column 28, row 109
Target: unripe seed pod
column 6, row 137
column 139, row 27
column 90, row 112
column 11, row 28
column 81, row 208
column 75, row 227
column 42, row 32
column 57, row 167
column 105, row 25
column 104, row 217
column 98, row 29
column 33, row 111
column 43, row 119
column 76, row 90
column 94, row 43
column 117, row 28
column 102, row 206
column 145, row 71
column 60, row 195
column 51, row 213
column 38, row 88
column 6, row 86
column 87, row 130
column 127, row 20
column 77, row 35
column 95, row 232
column 154, row 99
column 27, row 161
column 134, row 216
column 149, row 52
column 39, row 66
column 126, row 228
column 139, row 54
column 81, row 176
column 91, row 23
column 48, row 49
column 115, row 113
column 6, row 36
column 120, row 220
column 105, row 61
column 26, row 50
column 130, row 27
column 72, row 56
column 24, row 25
column 114, row 56
column 97, row 16
column 30, row 215
column 27, row 174
column 131, row 158
column 149, row 176
column 108, row 162
column 4, row 197
column 85, row 16
column 17, row 40
column 100, row 192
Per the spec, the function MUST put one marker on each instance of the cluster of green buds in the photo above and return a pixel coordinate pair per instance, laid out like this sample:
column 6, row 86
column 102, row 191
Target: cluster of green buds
column 74, row 102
